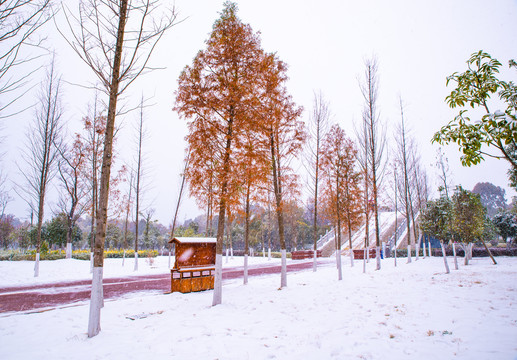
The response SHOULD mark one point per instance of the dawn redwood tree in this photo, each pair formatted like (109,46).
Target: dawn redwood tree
(341,186)
(200,177)
(40,157)
(128,205)
(362,156)
(403,156)
(115,38)
(283,134)
(254,168)
(374,142)
(317,129)
(213,95)
(71,168)
(139,173)
(178,203)
(93,138)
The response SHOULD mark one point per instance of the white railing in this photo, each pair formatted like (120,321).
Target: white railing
(329,235)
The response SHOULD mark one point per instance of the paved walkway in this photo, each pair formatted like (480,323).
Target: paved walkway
(34,298)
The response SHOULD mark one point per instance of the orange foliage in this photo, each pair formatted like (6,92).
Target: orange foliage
(341,186)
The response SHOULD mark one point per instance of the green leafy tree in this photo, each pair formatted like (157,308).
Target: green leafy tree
(436,218)
(468,218)
(505,223)
(114,236)
(56,231)
(6,228)
(497,129)
(435,221)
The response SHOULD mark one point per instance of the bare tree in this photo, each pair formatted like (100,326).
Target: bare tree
(128,206)
(115,38)
(5,198)
(19,21)
(41,151)
(406,161)
(139,173)
(374,142)
(71,169)
(362,157)
(183,177)
(317,129)
(444,173)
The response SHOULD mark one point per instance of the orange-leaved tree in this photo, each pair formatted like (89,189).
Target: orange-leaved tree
(214,94)
(254,167)
(342,195)
(283,134)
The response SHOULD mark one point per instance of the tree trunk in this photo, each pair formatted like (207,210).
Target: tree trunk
(247,233)
(279,210)
(454,254)
(102,215)
(466,251)
(69,239)
(447,271)
(489,252)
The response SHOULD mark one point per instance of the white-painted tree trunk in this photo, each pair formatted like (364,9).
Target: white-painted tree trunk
(339,267)
(91,263)
(315,261)
(378,257)
(364,260)
(409,253)
(395,253)
(471,245)
(124,258)
(96,303)
(218,280)
(454,254)
(269,253)
(384,250)
(417,251)
(231,253)
(136,262)
(351,258)
(445,259)
(283,276)
(430,252)
(245,269)
(263,252)
(423,243)
(227,255)
(36,266)
(170,258)
(68,250)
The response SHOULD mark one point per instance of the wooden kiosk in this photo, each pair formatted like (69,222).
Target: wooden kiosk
(194,264)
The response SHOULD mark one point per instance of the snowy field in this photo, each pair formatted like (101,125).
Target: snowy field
(413,311)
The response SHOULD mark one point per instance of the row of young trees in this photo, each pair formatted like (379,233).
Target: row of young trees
(245,137)
(458,219)
(115,39)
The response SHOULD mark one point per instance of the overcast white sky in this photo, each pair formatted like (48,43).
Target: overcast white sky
(324,42)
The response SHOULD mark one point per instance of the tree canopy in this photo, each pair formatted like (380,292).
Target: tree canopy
(496,128)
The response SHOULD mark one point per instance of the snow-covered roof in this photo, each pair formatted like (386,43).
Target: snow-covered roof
(184,240)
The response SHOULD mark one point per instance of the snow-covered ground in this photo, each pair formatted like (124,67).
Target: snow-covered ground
(413,311)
